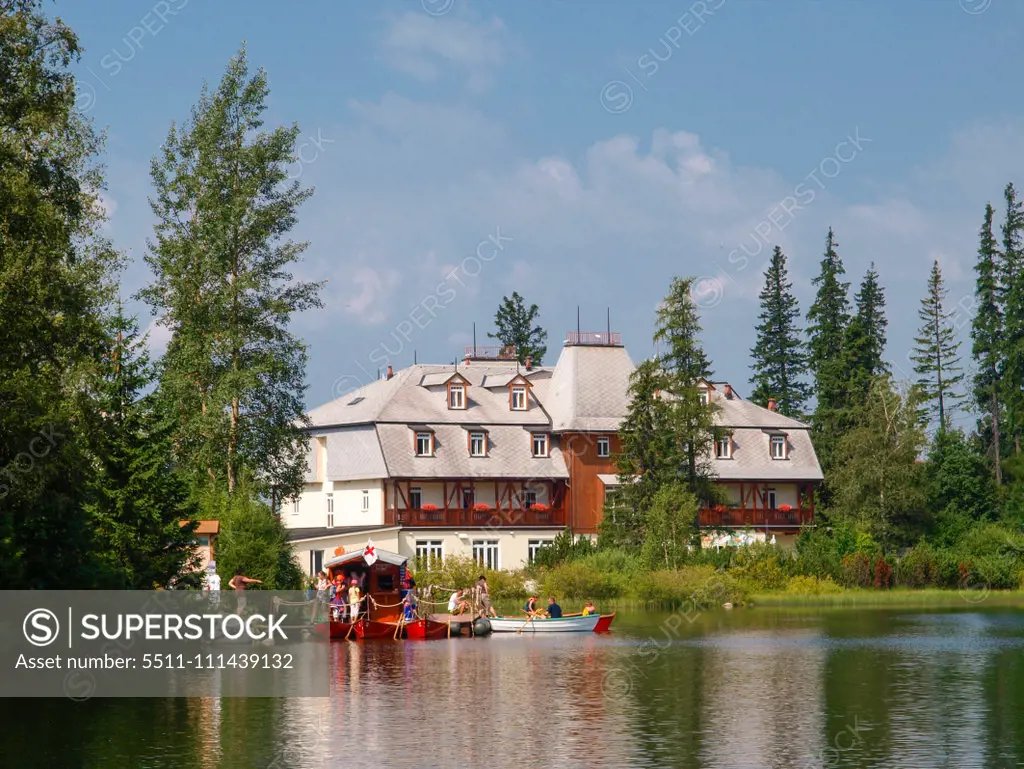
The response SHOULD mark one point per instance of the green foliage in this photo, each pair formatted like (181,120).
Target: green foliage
(690,588)
(580,580)
(461,571)
(515,324)
(1011,295)
(780,356)
(804,585)
(232,373)
(936,352)
(959,485)
(986,332)
(669,522)
(864,346)
(564,547)
(251,538)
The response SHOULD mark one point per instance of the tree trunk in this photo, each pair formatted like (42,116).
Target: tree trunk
(995,436)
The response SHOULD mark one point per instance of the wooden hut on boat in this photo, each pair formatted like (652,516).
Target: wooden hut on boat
(382,580)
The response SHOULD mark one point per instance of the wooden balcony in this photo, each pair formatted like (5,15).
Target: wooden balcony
(594,338)
(756,518)
(492,517)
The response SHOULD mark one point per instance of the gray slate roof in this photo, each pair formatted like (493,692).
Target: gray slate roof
(589,390)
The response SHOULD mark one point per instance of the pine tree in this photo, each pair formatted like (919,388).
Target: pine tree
(232,373)
(827,321)
(986,333)
(515,324)
(650,457)
(865,339)
(137,497)
(683,364)
(780,355)
(936,354)
(54,281)
(1011,280)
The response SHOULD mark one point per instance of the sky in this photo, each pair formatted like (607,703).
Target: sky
(583,154)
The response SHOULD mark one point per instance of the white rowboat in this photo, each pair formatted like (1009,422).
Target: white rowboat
(545,624)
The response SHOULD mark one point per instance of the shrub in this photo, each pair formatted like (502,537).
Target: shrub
(762,575)
(855,570)
(700,587)
(919,567)
(581,581)
(460,571)
(563,549)
(804,585)
(883,573)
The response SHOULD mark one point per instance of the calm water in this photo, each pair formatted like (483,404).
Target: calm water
(751,688)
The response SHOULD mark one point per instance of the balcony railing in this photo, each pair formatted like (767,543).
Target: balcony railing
(504,517)
(607,338)
(491,352)
(740,517)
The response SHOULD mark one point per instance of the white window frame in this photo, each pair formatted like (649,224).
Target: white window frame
(487,553)
(427,550)
(482,439)
(604,446)
(330,520)
(366,500)
(430,444)
(705,395)
(456,403)
(545,448)
(295,506)
(778,440)
(418,491)
(330,502)
(724,442)
(520,398)
(316,564)
(533,545)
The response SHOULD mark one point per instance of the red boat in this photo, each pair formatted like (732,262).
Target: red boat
(605,623)
(341,629)
(426,629)
(375,629)
(381,606)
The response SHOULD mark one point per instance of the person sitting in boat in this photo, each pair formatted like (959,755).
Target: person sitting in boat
(531,605)
(589,609)
(409,607)
(456,604)
(353,600)
(554,610)
(338,605)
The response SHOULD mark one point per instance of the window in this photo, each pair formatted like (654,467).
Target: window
(295,506)
(540,444)
(456,396)
(424,444)
(477,445)
(316,561)
(604,447)
(467,499)
(529,498)
(518,398)
(704,396)
(415,498)
(485,553)
(203,541)
(778,447)
(771,499)
(533,545)
(429,552)
(366,501)
(330,503)
(723,447)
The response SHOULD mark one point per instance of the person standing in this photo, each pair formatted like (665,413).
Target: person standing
(486,607)
(354,598)
(211,584)
(238,583)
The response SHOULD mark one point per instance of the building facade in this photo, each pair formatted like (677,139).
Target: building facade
(492,459)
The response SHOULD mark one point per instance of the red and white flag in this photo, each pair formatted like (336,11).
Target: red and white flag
(370,553)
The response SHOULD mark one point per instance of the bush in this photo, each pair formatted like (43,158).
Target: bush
(701,586)
(563,549)
(919,567)
(883,573)
(855,570)
(460,571)
(762,575)
(803,585)
(581,581)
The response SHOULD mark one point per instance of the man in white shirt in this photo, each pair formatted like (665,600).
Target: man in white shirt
(456,605)
(211,583)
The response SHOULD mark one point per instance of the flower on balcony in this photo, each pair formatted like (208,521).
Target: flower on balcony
(429,508)
(720,508)
(480,507)
(785,508)
(539,507)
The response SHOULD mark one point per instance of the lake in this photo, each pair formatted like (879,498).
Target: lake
(793,689)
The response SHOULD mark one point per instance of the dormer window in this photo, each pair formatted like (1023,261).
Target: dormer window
(705,396)
(456,396)
(723,447)
(779,447)
(541,444)
(518,398)
(478,444)
(424,443)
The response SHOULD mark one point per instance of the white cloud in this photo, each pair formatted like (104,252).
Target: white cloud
(371,302)
(424,46)
(157,338)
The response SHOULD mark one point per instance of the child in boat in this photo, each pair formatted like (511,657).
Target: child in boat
(589,609)
(338,605)
(409,607)
(531,605)
(353,599)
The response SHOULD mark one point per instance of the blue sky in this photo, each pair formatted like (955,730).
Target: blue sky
(605,146)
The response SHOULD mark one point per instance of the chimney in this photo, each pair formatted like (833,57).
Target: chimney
(771,405)
(529,363)
(467,359)
(728,392)
(391,372)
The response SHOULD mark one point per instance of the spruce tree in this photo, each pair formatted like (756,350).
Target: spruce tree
(827,321)
(780,356)
(1011,284)
(515,324)
(936,354)
(986,333)
(55,270)
(684,363)
(138,499)
(865,339)
(232,373)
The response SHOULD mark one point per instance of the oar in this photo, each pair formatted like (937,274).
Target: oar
(528,621)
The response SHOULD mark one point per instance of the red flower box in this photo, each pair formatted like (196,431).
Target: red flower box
(480,507)
(429,508)
(540,507)
(720,508)
(785,508)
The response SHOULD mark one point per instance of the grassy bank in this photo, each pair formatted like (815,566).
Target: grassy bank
(860,598)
